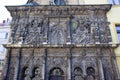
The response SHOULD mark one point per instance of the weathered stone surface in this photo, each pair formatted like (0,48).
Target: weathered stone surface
(61,43)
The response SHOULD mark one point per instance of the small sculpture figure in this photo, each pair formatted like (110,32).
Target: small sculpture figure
(27,77)
(36,74)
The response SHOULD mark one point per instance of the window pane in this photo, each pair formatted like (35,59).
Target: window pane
(114,1)
(118,28)
(119,37)
(6,35)
(118,32)
(2,35)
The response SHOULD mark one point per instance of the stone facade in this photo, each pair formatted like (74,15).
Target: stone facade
(60,43)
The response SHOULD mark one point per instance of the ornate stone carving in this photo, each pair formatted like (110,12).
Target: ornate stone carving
(82,31)
(57,62)
(35,32)
(78,74)
(57,32)
(27,76)
(37,73)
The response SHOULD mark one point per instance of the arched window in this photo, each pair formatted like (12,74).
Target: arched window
(78,74)
(56,74)
(90,73)
(59,2)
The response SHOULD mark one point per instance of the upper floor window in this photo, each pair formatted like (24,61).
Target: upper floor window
(3,35)
(114,2)
(6,35)
(118,32)
(57,2)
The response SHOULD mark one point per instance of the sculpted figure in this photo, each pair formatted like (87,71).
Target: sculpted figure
(90,73)
(78,74)
(27,77)
(37,73)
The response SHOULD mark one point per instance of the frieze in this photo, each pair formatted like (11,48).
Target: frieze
(57,10)
(76,28)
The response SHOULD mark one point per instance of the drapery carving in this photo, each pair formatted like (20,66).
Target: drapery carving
(35,32)
(81,31)
(57,31)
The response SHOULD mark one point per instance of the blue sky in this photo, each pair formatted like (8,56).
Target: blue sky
(4,14)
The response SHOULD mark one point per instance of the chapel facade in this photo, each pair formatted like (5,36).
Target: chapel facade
(60,41)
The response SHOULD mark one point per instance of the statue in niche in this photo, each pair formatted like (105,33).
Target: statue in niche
(78,74)
(36,74)
(90,73)
(56,74)
(27,77)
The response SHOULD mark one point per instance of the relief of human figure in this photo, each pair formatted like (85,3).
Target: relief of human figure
(90,73)
(36,74)
(78,74)
(57,36)
(80,36)
(27,77)
(90,77)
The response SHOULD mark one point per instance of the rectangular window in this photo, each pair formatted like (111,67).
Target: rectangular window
(6,35)
(3,35)
(114,2)
(118,32)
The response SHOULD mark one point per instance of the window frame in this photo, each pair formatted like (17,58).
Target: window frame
(117,32)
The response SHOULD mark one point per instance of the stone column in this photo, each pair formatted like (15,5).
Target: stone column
(43,70)
(115,66)
(18,66)
(45,65)
(84,68)
(70,64)
(69,68)
(101,70)
(100,66)
(8,57)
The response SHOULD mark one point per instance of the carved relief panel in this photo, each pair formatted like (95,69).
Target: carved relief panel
(55,61)
(57,32)
(81,30)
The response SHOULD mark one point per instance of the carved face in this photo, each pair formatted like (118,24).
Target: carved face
(26,71)
(37,71)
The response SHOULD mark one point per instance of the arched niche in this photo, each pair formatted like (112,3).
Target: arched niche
(78,74)
(25,74)
(56,73)
(90,73)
